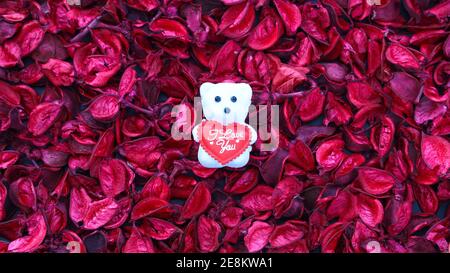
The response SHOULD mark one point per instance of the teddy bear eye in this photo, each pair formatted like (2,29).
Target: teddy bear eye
(217,99)
(233,99)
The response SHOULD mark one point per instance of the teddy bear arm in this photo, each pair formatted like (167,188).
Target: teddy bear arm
(241,160)
(206,160)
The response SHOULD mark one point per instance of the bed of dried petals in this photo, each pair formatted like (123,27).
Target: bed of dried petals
(86,154)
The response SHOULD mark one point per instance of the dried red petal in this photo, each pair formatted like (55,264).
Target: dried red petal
(287,233)
(427,198)
(8,158)
(315,20)
(156,187)
(405,86)
(301,156)
(224,60)
(140,150)
(138,243)
(105,107)
(397,214)
(237,184)
(330,237)
(99,213)
(257,236)
(344,206)
(43,117)
(197,202)
(208,232)
(3,194)
(361,94)
(23,194)
(336,111)
(159,229)
(60,73)
(266,33)
(370,210)
(127,81)
(402,57)
(358,162)
(8,94)
(79,203)
(149,206)
(383,136)
(259,199)
(436,153)
(144,5)
(329,154)
(290,14)
(37,229)
(29,37)
(115,177)
(9,54)
(312,105)
(375,181)
(288,77)
(121,214)
(237,20)
(169,29)
(231,216)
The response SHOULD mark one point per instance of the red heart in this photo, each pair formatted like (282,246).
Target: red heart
(223,143)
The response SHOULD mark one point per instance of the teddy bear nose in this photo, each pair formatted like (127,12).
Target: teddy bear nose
(226,110)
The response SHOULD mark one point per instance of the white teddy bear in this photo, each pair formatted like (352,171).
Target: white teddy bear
(225,139)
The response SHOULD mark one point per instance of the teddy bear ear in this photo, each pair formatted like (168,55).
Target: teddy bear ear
(247,90)
(205,87)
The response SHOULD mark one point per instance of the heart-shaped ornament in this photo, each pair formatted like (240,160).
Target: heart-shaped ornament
(223,143)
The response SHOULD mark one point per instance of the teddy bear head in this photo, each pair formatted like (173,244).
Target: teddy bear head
(226,102)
